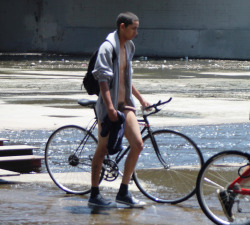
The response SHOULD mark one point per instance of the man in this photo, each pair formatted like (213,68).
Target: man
(116,89)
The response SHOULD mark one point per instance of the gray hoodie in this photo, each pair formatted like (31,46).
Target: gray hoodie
(106,70)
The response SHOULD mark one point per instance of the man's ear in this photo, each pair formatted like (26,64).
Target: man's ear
(122,26)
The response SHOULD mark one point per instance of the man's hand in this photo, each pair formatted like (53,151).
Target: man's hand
(112,114)
(145,104)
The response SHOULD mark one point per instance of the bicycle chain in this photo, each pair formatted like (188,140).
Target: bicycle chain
(111,170)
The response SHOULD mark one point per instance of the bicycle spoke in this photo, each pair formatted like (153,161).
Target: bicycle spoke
(213,183)
(169,174)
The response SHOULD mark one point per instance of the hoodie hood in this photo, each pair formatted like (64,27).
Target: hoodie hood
(113,38)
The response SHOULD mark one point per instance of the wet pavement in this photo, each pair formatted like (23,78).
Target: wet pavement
(211,104)
(39,201)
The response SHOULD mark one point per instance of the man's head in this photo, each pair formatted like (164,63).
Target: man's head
(127,23)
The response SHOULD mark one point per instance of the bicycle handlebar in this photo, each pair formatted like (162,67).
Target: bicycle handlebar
(155,106)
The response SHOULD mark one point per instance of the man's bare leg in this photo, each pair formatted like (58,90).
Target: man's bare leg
(132,133)
(100,153)
(96,200)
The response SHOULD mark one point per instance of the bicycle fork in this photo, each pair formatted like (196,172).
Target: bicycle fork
(156,148)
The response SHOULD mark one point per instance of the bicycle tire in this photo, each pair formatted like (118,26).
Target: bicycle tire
(217,174)
(174,180)
(70,169)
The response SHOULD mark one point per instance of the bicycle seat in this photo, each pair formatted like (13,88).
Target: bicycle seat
(87,102)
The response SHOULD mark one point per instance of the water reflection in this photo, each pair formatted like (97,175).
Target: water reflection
(210,138)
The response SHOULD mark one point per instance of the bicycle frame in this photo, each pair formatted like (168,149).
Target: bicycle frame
(146,128)
(149,131)
(86,137)
(239,180)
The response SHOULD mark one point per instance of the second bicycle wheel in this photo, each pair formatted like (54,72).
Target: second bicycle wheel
(68,157)
(167,172)
(215,177)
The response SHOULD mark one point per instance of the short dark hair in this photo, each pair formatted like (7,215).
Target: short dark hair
(127,18)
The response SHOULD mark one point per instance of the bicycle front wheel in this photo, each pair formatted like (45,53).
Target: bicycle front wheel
(215,176)
(68,155)
(168,167)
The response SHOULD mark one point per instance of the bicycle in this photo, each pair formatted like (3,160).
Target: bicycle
(166,171)
(225,177)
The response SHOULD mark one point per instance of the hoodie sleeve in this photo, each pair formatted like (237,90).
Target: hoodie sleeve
(103,67)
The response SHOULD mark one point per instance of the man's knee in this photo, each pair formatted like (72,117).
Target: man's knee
(138,146)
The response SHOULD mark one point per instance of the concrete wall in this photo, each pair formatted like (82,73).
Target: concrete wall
(168,28)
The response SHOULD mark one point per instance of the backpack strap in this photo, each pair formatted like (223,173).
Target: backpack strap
(114,53)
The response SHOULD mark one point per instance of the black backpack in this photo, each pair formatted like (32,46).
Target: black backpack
(89,82)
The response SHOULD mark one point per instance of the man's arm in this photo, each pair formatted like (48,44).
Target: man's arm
(137,94)
(105,92)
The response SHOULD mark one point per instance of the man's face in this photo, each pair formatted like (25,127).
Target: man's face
(131,31)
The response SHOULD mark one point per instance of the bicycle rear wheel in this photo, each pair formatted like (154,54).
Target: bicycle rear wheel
(167,173)
(68,156)
(216,175)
